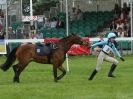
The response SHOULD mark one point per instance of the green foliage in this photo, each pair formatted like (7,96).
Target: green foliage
(43,5)
(37,81)
(39,6)
(26,7)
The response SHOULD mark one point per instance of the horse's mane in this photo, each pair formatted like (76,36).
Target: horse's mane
(65,38)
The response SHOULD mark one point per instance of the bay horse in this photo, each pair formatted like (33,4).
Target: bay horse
(25,53)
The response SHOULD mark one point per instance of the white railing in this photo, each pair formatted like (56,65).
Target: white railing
(42,40)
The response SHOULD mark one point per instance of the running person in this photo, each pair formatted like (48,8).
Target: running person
(109,47)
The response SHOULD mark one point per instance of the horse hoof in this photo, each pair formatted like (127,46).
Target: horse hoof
(55,80)
(16,81)
(58,78)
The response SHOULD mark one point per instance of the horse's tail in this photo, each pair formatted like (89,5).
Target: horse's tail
(10,60)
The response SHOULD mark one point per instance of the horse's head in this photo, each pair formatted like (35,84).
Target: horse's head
(68,41)
(74,39)
(78,40)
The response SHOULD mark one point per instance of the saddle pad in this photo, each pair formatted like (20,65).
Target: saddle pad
(42,50)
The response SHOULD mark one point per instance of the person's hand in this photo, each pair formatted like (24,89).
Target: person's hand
(91,46)
(122,58)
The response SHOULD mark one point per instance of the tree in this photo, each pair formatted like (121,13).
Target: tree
(39,6)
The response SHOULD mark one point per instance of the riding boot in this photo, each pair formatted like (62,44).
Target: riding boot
(110,74)
(93,74)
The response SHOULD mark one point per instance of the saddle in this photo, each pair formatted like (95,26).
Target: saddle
(45,49)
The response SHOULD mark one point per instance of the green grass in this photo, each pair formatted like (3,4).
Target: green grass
(37,81)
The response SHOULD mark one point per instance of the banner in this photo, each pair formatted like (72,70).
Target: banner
(2,47)
(29,18)
(79,49)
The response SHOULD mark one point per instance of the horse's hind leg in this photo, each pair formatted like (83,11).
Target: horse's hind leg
(55,73)
(63,72)
(17,70)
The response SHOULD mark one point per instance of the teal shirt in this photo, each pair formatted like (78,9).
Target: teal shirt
(115,51)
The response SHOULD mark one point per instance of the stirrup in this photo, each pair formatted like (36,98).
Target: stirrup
(55,47)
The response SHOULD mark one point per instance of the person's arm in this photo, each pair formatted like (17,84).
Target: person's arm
(117,53)
(99,43)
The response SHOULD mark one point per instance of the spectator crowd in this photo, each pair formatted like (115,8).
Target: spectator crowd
(121,23)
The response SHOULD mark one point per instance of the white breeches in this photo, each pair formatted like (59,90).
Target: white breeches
(104,57)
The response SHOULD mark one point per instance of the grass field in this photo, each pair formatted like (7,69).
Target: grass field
(37,81)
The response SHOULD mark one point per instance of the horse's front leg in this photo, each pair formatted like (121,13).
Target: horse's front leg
(55,73)
(63,72)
